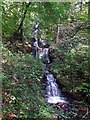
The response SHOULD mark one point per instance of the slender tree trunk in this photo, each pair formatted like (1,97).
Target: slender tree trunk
(89,16)
(18,34)
(24,15)
(57,37)
(89,36)
(81,5)
(20,28)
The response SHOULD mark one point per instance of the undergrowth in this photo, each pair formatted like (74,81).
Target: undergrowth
(71,65)
(22,89)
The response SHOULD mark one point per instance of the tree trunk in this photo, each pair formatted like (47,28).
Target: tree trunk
(20,28)
(57,37)
(89,16)
(24,15)
(81,5)
(89,37)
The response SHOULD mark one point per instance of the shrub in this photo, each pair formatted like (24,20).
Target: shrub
(71,63)
(22,90)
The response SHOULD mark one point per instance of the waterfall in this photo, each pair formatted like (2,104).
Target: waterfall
(53,93)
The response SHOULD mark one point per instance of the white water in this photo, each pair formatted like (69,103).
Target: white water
(53,94)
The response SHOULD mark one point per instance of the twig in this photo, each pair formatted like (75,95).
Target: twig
(85,114)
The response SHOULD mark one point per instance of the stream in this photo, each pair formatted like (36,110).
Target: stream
(53,94)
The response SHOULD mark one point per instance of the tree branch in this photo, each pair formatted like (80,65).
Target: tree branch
(79,28)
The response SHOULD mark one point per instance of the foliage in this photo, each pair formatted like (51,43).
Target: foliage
(71,62)
(13,11)
(84,89)
(11,17)
(49,14)
(22,93)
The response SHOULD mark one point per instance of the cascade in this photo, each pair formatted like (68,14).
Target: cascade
(53,93)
